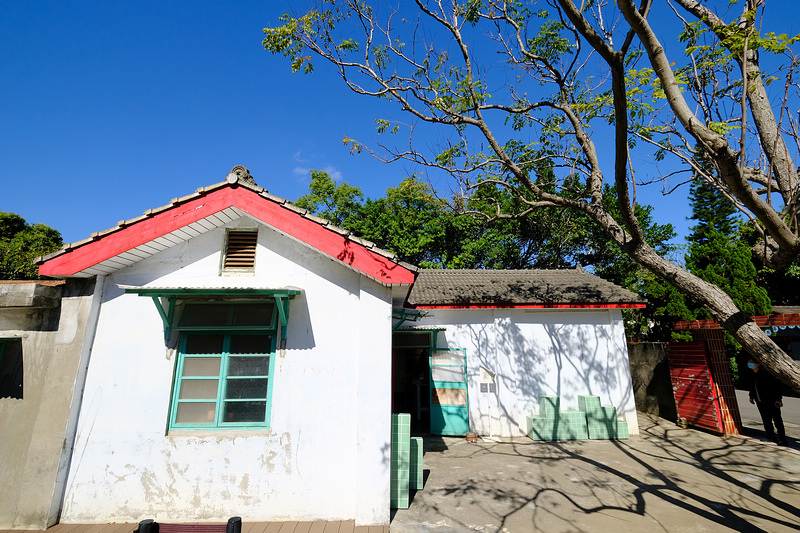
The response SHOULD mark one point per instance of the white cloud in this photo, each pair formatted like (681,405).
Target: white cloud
(304,173)
(333,173)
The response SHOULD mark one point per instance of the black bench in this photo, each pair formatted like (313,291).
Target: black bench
(234,525)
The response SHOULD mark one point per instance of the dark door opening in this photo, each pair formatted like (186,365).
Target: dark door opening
(411,378)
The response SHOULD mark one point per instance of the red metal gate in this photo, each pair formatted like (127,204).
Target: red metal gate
(696,398)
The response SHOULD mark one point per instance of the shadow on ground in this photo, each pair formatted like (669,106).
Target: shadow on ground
(665,479)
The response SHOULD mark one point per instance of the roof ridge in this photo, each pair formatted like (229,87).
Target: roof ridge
(233,180)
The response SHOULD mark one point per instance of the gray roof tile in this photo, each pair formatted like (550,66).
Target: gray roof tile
(515,287)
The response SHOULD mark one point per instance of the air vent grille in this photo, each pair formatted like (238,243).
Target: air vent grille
(240,252)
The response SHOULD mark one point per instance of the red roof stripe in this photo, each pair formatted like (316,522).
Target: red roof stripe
(763,321)
(144,231)
(536,306)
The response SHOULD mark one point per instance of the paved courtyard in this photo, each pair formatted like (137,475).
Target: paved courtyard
(666,479)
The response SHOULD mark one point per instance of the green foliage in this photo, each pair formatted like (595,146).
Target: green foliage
(728,264)
(718,255)
(712,211)
(612,263)
(782,285)
(287,39)
(423,229)
(523,131)
(21,243)
(327,199)
(549,42)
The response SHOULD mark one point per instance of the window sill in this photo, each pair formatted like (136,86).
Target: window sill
(219,433)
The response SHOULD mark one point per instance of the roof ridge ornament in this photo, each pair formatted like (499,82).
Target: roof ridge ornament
(240,174)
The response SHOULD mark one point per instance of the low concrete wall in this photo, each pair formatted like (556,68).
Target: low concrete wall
(652,387)
(51,326)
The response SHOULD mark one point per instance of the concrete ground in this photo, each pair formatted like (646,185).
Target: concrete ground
(752,420)
(665,479)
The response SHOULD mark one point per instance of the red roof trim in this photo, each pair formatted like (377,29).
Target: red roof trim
(535,306)
(329,242)
(763,321)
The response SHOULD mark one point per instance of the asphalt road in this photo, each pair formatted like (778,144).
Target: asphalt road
(751,419)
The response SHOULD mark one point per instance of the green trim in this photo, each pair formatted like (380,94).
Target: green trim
(223,378)
(447,411)
(142,291)
(402,316)
(282,303)
(166,316)
(281,296)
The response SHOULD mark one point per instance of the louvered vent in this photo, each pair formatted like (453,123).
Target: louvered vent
(240,253)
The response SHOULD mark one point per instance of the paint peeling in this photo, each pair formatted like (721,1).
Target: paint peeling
(208,476)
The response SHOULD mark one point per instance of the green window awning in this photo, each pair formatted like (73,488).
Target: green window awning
(281,297)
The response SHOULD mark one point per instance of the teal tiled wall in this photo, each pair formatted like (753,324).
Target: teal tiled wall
(400,461)
(415,470)
(590,421)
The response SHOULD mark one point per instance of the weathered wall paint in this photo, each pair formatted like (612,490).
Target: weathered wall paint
(33,428)
(564,353)
(325,455)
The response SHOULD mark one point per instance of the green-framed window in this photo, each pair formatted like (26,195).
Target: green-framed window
(225,364)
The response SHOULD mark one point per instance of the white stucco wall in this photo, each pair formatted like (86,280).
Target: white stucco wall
(564,353)
(325,455)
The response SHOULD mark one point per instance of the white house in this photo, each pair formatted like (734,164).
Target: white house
(246,356)
(520,334)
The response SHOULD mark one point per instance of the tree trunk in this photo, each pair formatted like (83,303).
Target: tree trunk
(757,343)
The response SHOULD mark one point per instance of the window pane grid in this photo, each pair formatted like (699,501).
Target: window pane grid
(241,381)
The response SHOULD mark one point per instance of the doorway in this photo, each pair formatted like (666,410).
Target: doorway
(411,372)
(429,383)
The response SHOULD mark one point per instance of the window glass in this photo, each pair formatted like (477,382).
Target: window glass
(241,363)
(248,366)
(11,368)
(447,357)
(226,315)
(250,343)
(211,344)
(245,411)
(204,315)
(448,373)
(246,388)
(199,389)
(201,366)
(252,315)
(196,413)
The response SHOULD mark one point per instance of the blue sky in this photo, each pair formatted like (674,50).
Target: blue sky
(112,108)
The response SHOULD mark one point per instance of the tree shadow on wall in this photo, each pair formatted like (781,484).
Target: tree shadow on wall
(572,360)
